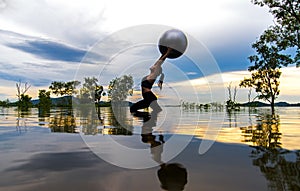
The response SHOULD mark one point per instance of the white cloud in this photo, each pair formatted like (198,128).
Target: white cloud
(82,23)
(216,23)
(74,22)
(206,86)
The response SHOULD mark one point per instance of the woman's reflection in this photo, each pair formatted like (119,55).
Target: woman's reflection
(156,144)
(172,176)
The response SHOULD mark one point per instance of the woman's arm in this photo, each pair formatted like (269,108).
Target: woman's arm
(163,57)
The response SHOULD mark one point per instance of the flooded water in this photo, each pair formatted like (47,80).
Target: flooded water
(79,149)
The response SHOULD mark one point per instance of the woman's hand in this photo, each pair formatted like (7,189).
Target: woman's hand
(160,84)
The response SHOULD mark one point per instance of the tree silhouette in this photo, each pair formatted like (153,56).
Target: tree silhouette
(285,31)
(265,71)
(64,88)
(120,88)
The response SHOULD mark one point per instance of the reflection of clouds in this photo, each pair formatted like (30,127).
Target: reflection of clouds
(49,162)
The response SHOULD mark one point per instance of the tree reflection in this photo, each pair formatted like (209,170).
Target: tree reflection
(265,133)
(21,120)
(280,167)
(90,120)
(63,121)
(105,120)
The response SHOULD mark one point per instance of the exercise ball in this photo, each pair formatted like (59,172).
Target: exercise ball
(174,39)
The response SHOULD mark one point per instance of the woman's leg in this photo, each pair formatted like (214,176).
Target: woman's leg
(139,105)
(149,97)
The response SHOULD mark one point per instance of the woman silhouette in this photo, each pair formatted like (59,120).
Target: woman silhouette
(147,83)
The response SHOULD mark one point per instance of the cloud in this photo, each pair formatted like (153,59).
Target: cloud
(2,4)
(35,60)
(77,23)
(207,89)
(51,50)
(42,41)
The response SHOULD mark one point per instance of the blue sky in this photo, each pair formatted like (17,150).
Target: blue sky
(43,41)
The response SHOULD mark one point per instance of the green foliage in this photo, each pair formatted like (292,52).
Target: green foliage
(64,88)
(87,92)
(45,103)
(70,87)
(285,32)
(269,55)
(25,102)
(269,58)
(5,103)
(265,82)
(120,88)
(45,100)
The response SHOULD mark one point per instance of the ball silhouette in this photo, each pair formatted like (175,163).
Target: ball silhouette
(174,39)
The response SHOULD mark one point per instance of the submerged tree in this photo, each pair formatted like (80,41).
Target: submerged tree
(45,102)
(266,69)
(266,84)
(91,90)
(24,101)
(231,102)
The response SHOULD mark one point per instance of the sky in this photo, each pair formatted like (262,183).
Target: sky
(59,40)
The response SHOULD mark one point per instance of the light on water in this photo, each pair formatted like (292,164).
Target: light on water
(48,147)
(235,127)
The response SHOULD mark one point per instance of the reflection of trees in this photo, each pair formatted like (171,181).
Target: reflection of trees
(105,120)
(90,120)
(64,121)
(120,120)
(21,120)
(265,133)
(279,166)
(232,118)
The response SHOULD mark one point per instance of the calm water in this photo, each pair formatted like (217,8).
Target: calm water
(61,150)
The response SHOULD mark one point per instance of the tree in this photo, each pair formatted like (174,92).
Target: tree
(5,103)
(120,88)
(231,102)
(88,89)
(25,102)
(286,28)
(266,69)
(70,87)
(266,84)
(21,90)
(64,88)
(57,88)
(44,97)
(45,101)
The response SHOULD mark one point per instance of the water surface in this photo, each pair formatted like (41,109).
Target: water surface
(253,151)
